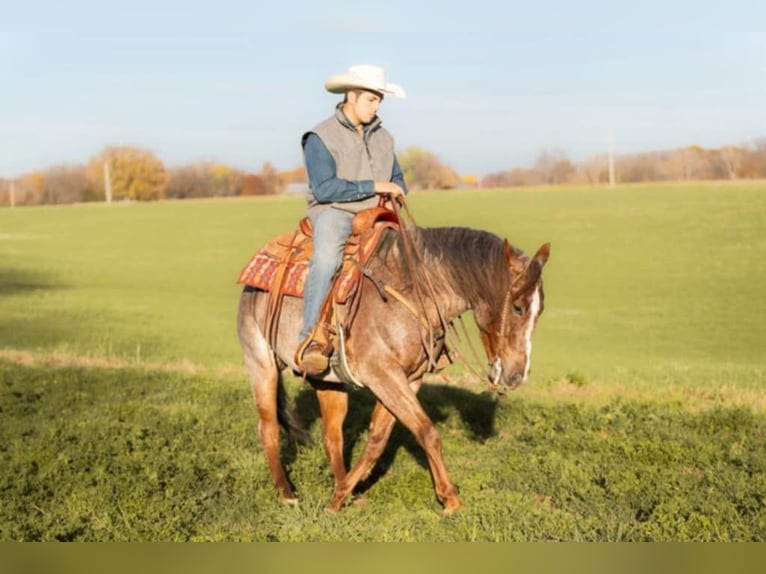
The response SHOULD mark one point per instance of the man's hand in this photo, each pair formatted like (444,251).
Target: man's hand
(388,188)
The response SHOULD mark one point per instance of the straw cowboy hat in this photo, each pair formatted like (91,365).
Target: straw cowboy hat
(365,77)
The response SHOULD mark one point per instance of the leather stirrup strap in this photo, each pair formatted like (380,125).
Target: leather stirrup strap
(276,295)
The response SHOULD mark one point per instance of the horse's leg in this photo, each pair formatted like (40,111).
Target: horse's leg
(333,405)
(264,382)
(391,388)
(381,424)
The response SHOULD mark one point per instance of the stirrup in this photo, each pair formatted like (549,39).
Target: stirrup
(316,361)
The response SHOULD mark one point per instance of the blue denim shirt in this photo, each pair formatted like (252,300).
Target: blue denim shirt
(327,187)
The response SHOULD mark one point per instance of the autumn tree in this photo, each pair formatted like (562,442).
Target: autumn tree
(754,162)
(470,180)
(273,181)
(225,181)
(423,170)
(30,192)
(135,173)
(297,175)
(252,184)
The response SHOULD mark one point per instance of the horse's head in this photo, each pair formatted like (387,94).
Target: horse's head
(507,332)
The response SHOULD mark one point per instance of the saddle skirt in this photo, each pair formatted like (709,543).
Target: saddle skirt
(281,266)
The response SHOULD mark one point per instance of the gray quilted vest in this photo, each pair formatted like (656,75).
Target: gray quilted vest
(356,158)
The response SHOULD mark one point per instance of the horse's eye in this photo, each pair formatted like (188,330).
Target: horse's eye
(517,310)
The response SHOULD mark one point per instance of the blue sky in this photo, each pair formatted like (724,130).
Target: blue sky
(489,84)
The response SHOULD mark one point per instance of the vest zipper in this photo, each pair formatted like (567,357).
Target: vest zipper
(369,155)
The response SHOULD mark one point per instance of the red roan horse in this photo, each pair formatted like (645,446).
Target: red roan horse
(384,348)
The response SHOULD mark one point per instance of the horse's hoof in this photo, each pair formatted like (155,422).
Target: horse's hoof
(335,506)
(451,506)
(290,501)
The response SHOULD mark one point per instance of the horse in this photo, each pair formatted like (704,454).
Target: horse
(386,350)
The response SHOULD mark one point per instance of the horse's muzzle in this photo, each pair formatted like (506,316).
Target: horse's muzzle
(497,376)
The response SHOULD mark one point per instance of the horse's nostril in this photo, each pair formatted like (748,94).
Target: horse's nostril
(515,380)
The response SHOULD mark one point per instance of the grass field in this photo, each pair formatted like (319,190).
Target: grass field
(126,414)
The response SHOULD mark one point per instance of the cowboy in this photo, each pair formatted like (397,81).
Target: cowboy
(350,161)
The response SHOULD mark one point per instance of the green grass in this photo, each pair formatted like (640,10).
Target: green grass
(125,414)
(637,277)
(132,455)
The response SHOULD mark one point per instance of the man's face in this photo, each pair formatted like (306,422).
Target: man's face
(363,105)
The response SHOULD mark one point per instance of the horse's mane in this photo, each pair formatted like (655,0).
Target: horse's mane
(470,262)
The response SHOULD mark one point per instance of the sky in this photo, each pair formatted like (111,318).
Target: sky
(490,84)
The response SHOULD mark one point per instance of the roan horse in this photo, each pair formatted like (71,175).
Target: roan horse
(385,345)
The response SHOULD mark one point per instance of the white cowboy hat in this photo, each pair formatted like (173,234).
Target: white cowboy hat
(365,77)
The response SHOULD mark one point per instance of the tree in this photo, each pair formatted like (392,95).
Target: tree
(731,158)
(423,170)
(273,182)
(515,177)
(297,175)
(694,162)
(224,181)
(64,184)
(203,180)
(30,192)
(135,173)
(595,170)
(554,166)
(470,180)
(252,184)
(188,181)
(754,163)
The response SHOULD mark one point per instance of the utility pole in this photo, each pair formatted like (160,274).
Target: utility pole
(107,182)
(13,193)
(611,157)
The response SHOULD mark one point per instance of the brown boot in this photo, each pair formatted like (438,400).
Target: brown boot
(312,360)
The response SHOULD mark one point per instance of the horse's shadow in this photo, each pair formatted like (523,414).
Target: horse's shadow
(476,412)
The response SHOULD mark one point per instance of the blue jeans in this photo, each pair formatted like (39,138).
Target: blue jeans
(331,229)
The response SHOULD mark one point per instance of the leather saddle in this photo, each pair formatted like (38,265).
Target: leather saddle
(281,266)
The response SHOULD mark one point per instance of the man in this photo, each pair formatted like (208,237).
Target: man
(350,161)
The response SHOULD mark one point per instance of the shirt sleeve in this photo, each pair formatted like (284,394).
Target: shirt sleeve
(325,184)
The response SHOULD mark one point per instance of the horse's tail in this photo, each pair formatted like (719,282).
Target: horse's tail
(287,417)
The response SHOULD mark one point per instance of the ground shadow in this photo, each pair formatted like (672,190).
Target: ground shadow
(14,281)
(476,411)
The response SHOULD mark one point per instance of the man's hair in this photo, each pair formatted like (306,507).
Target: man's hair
(358,91)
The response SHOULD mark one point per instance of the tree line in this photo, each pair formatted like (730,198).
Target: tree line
(132,173)
(690,163)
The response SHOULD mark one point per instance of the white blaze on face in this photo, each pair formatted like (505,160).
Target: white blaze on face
(534,310)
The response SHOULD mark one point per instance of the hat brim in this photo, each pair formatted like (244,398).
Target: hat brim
(341,83)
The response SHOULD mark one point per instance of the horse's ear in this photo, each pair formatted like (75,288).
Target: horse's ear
(510,254)
(542,254)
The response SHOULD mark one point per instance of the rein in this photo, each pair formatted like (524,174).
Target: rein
(417,269)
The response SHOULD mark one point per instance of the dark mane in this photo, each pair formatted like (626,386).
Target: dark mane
(470,262)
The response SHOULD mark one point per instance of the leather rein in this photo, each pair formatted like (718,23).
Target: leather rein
(424,291)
